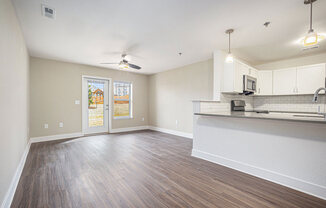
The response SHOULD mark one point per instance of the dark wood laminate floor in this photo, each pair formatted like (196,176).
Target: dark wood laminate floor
(140,169)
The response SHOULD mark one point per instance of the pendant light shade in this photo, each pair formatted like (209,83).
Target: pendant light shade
(229,57)
(312,37)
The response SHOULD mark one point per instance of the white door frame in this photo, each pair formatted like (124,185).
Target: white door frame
(84,105)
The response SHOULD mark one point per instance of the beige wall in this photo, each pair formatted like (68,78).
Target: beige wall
(14,95)
(307,60)
(171,93)
(56,85)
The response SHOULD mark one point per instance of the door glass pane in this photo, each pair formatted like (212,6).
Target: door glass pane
(95,103)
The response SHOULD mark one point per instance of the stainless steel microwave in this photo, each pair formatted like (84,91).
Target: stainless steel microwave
(249,84)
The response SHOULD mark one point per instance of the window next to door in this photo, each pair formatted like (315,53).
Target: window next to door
(122,99)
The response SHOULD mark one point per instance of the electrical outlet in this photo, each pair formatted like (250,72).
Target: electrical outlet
(142,119)
(77,102)
(176,123)
(46,126)
(61,125)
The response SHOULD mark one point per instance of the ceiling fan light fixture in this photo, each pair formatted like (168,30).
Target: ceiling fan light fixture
(123,65)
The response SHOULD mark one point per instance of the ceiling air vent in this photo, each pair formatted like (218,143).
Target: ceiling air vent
(48,11)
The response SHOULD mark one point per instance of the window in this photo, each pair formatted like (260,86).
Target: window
(122,99)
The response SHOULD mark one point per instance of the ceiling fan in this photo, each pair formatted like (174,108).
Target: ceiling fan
(124,63)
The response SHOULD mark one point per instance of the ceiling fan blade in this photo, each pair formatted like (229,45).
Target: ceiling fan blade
(134,66)
(109,63)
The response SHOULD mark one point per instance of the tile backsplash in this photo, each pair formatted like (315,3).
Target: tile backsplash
(224,105)
(300,103)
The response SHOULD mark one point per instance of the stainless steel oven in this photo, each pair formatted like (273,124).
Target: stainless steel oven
(249,84)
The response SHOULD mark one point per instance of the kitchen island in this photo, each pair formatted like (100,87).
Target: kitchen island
(279,147)
(273,115)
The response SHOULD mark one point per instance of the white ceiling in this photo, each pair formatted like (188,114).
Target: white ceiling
(155,31)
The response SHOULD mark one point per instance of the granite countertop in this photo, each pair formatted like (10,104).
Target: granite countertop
(289,116)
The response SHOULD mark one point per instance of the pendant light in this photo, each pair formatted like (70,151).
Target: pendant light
(311,38)
(229,57)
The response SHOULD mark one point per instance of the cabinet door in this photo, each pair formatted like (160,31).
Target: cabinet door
(240,70)
(253,72)
(310,78)
(284,81)
(265,83)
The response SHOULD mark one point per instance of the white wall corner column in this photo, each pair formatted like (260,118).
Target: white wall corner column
(219,59)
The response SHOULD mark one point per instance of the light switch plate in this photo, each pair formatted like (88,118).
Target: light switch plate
(61,124)
(77,102)
(46,126)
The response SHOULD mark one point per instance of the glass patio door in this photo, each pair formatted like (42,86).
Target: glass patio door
(96,105)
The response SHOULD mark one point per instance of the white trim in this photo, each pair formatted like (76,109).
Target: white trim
(174,132)
(136,128)
(14,182)
(110,90)
(291,182)
(122,117)
(55,137)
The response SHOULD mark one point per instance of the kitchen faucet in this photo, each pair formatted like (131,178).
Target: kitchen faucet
(315,99)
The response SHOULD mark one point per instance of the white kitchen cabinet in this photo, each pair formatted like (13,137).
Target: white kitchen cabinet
(253,72)
(233,76)
(310,78)
(285,81)
(264,82)
(241,69)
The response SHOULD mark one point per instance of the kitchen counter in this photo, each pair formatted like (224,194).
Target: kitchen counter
(288,148)
(288,116)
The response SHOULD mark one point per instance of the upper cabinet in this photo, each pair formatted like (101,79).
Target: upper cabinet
(291,81)
(253,72)
(299,80)
(284,81)
(233,76)
(264,82)
(310,78)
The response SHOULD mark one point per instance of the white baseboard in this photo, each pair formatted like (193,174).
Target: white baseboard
(14,182)
(291,182)
(136,128)
(56,137)
(169,131)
